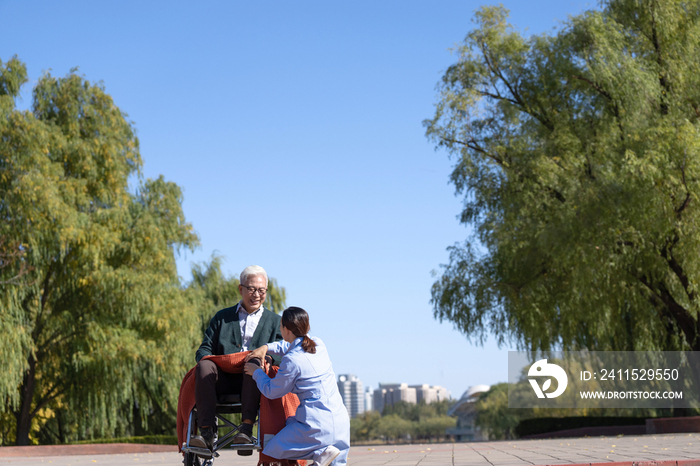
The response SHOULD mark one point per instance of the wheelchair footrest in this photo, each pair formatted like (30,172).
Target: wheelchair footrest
(245,446)
(201,452)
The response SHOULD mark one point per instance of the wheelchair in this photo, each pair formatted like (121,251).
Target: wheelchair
(225,404)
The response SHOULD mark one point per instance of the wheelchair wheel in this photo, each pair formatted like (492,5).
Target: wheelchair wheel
(192,460)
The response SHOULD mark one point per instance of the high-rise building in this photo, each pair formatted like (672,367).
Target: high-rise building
(389,393)
(350,388)
(369,395)
(430,393)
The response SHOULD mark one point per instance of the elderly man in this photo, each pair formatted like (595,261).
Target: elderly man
(245,326)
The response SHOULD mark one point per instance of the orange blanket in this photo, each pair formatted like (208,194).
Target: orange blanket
(273,413)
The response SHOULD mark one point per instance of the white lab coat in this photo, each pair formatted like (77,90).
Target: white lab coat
(321,418)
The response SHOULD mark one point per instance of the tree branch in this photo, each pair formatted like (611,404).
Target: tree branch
(39,327)
(10,254)
(472,144)
(663,82)
(667,254)
(52,341)
(686,202)
(47,399)
(595,86)
(695,109)
(677,312)
(604,93)
(497,97)
(518,99)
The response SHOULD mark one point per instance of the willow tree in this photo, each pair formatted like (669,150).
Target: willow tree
(92,308)
(578,156)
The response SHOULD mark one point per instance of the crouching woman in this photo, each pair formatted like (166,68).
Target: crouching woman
(320,429)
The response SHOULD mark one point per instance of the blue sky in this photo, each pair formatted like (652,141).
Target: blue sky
(294,130)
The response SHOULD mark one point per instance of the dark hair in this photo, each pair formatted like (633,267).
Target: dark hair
(296,320)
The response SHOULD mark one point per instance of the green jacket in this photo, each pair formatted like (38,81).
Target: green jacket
(224,333)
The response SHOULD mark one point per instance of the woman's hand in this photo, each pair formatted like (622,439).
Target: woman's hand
(257,353)
(249,368)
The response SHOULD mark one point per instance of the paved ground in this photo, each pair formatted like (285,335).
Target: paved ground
(643,450)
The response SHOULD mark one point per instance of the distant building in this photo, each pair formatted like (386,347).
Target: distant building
(350,388)
(369,406)
(430,393)
(389,393)
(464,410)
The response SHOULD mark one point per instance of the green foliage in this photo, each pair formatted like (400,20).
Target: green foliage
(92,297)
(97,329)
(579,160)
(393,427)
(418,411)
(493,415)
(364,426)
(403,421)
(433,427)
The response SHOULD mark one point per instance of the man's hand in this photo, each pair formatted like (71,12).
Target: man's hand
(257,353)
(249,368)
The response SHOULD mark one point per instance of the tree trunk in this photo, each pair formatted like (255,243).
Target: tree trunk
(61,429)
(24,415)
(694,366)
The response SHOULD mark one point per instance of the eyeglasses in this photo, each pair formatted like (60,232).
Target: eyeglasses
(253,290)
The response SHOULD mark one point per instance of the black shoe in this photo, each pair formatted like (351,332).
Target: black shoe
(242,438)
(204,440)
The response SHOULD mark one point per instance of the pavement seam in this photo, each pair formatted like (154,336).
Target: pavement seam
(530,451)
(521,459)
(400,455)
(392,459)
(483,456)
(419,461)
(554,457)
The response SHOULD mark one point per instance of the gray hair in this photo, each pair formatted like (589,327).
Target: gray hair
(253,271)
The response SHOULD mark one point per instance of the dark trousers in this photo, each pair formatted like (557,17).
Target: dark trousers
(210,381)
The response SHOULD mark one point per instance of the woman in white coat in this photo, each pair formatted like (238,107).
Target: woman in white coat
(320,429)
